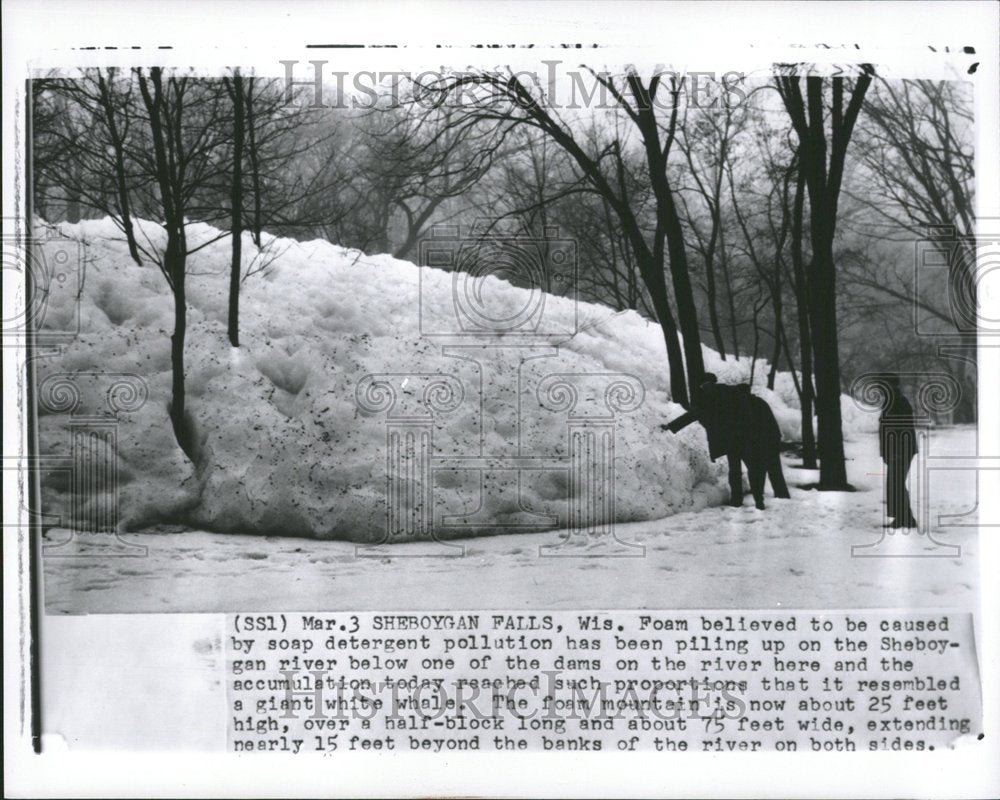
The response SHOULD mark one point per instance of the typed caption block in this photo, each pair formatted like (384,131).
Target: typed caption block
(626,681)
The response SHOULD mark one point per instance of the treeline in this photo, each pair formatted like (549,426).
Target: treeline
(781,227)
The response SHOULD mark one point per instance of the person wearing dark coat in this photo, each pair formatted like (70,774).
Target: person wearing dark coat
(897,446)
(742,427)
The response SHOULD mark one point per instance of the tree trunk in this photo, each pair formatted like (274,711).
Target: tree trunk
(678,381)
(824,181)
(731,300)
(713,313)
(174,264)
(650,260)
(777,309)
(72,207)
(669,228)
(806,393)
(236,207)
(175,260)
(964,310)
(823,319)
(415,226)
(778,314)
(756,342)
(687,313)
(710,287)
(254,165)
(655,282)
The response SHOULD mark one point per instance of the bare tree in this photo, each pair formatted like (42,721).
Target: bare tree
(48,113)
(823,178)
(235,90)
(918,147)
(538,185)
(705,139)
(266,185)
(433,161)
(918,151)
(183,117)
(86,141)
(508,101)
(252,114)
(176,149)
(281,142)
(799,272)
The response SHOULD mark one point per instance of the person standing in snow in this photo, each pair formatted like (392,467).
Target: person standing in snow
(713,405)
(897,446)
(741,426)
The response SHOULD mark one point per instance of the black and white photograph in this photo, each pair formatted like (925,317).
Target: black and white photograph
(316,326)
(623,391)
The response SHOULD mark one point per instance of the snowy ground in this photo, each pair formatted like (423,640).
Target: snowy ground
(795,554)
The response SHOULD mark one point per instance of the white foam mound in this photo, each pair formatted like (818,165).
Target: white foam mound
(286,447)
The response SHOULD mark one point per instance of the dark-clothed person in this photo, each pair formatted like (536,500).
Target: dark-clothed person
(742,427)
(897,446)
